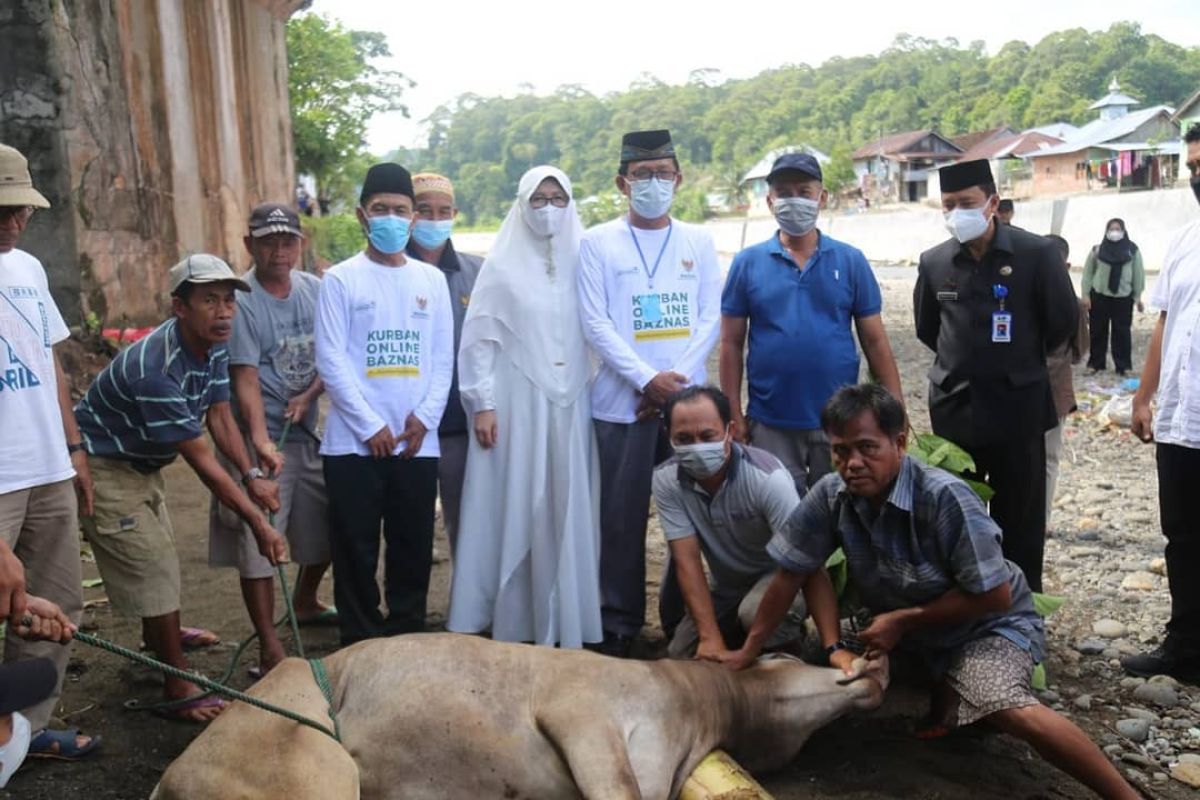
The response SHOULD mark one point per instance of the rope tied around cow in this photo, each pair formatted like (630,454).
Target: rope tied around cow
(218,686)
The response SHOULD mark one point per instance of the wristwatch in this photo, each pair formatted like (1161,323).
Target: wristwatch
(72,449)
(252,474)
(840,644)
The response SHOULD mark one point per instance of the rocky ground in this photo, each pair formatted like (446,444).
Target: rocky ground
(1104,559)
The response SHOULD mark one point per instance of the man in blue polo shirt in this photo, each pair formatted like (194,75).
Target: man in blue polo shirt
(797,294)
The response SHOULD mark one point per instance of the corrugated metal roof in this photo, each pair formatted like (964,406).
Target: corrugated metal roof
(763,167)
(1099,131)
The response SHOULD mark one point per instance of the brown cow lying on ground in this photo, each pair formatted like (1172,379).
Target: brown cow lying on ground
(450,716)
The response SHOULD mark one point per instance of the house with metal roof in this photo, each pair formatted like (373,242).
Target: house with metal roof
(1186,115)
(1008,157)
(1121,148)
(754,183)
(899,168)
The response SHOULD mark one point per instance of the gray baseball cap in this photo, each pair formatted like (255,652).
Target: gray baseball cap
(204,268)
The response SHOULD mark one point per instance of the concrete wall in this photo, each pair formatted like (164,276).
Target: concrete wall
(152,126)
(899,236)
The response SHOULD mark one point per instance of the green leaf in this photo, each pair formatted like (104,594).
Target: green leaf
(1038,681)
(839,571)
(984,491)
(1047,604)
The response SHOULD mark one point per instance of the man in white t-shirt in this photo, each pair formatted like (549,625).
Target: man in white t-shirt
(1173,370)
(41,451)
(649,297)
(385,350)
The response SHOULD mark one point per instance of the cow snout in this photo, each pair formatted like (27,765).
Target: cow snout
(872,677)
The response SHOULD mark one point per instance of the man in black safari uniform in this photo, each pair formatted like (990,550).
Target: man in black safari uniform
(991,301)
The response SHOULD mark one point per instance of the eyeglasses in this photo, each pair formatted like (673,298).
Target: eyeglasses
(665,175)
(541,201)
(15,212)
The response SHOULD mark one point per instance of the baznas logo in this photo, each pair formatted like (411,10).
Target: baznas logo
(422,302)
(688,263)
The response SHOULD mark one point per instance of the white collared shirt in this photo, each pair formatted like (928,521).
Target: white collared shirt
(1178,294)
(638,326)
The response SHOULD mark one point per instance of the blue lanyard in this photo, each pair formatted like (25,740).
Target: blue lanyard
(650,273)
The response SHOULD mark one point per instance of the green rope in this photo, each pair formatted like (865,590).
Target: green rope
(279,568)
(166,705)
(213,687)
(322,678)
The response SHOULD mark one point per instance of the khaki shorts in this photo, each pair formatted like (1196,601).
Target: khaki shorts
(132,539)
(303,517)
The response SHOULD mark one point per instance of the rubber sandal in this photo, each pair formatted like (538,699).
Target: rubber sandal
(198,638)
(326,617)
(43,745)
(255,672)
(932,732)
(178,712)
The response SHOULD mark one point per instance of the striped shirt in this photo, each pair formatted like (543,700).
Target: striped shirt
(932,535)
(151,397)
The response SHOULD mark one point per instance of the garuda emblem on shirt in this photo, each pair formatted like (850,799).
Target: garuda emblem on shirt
(422,302)
(687,263)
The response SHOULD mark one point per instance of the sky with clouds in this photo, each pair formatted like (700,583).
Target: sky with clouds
(502,48)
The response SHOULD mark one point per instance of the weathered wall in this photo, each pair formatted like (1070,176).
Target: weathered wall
(152,126)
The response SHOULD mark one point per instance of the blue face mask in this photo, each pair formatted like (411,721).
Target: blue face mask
(388,234)
(432,233)
(651,198)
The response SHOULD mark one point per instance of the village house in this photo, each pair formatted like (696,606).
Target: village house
(1008,157)
(1186,116)
(1120,149)
(754,182)
(899,168)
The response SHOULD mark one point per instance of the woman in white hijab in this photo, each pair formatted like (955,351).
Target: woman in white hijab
(527,560)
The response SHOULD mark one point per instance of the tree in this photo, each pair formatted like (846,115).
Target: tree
(335,89)
(723,127)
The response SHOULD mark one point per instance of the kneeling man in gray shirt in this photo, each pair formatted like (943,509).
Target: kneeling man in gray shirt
(724,500)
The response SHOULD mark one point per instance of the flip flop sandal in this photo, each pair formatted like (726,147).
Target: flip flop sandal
(179,711)
(192,639)
(43,745)
(326,617)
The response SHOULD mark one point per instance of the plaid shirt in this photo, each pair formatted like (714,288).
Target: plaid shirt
(932,535)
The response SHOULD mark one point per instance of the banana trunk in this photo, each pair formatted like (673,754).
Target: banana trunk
(719,777)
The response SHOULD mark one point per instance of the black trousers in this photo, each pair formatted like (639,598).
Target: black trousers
(628,454)
(1017,472)
(363,493)
(1178,478)
(1115,313)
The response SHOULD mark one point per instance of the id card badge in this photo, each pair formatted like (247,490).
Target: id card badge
(1001,327)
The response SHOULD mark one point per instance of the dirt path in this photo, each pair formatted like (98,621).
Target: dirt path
(868,757)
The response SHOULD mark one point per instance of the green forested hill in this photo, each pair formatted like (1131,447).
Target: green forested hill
(722,128)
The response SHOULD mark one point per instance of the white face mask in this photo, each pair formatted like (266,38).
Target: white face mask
(1115,236)
(966,224)
(546,221)
(651,198)
(12,755)
(701,460)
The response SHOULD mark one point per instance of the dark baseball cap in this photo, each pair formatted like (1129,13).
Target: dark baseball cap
(795,162)
(25,683)
(271,218)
